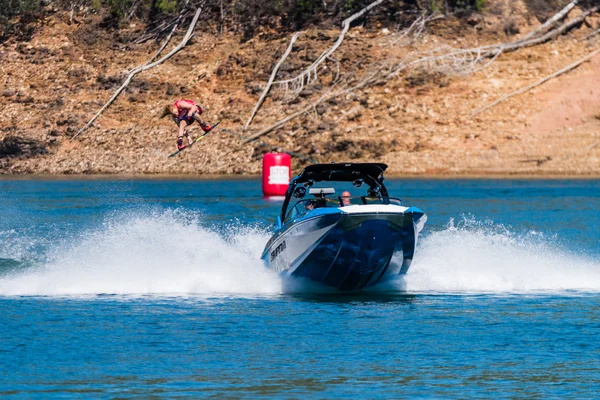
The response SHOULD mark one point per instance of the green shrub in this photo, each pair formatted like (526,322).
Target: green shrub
(350,5)
(119,8)
(457,5)
(15,16)
(436,5)
(166,6)
(10,8)
(97,5)
(247,17)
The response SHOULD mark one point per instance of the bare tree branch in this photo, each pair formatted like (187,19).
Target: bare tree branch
(414,31)
(286,119)
(446,60)
(552,34)
(145,67)
(557,17)
(71,13)
(590,35)
(329,95)
(170,33)
(309,75)
(271,79)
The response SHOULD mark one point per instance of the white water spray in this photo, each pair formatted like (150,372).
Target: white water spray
(483,257)
(159,253)
(168,252)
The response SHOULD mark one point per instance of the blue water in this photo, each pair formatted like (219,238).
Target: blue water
(138,289)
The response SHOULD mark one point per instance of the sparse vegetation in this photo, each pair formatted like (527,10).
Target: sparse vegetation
(245,16)
(15,16)
(365,79)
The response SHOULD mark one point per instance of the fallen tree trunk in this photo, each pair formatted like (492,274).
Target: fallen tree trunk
(326,97)
(142,68)
(418,26)
(538,83)
(461,59)
(284,121)
(465,60)
(271,79)
(552,34)
(557,17)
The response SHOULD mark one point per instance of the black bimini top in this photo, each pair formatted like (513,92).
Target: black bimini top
(344,172)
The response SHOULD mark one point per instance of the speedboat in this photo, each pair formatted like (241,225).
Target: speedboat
(327,235)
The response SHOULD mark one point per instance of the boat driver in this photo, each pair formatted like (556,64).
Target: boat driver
(320,200)
(345,198)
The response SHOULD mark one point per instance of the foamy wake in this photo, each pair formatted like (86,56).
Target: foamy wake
(169,252)
(159,253)
(482,257)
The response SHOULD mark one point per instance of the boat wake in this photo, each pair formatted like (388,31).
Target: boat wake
(480,257)
(171,252)
(162,252)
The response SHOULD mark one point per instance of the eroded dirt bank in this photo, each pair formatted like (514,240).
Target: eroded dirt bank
(418,124)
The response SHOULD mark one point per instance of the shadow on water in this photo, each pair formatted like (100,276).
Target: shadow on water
(355,298)
(393,291)
(9,266)
(378,294)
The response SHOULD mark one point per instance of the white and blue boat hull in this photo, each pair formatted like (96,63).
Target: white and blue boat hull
(348,248)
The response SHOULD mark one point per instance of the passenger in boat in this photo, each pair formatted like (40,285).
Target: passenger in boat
(310,205)
(320,200)
(184,113)
(345,198)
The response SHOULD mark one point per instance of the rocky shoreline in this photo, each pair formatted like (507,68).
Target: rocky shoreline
(420,125)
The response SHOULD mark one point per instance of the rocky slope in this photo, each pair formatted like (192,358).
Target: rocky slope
(418,124)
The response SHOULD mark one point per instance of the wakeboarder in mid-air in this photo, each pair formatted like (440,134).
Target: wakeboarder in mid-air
(184,113)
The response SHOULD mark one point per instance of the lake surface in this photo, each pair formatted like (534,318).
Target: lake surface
(154,288)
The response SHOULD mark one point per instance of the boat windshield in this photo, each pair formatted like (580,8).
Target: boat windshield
(306,205)
(337,185)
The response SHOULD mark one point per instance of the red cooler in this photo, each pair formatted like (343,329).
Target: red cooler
(276,173)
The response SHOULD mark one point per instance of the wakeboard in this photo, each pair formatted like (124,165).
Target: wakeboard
(195,140)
